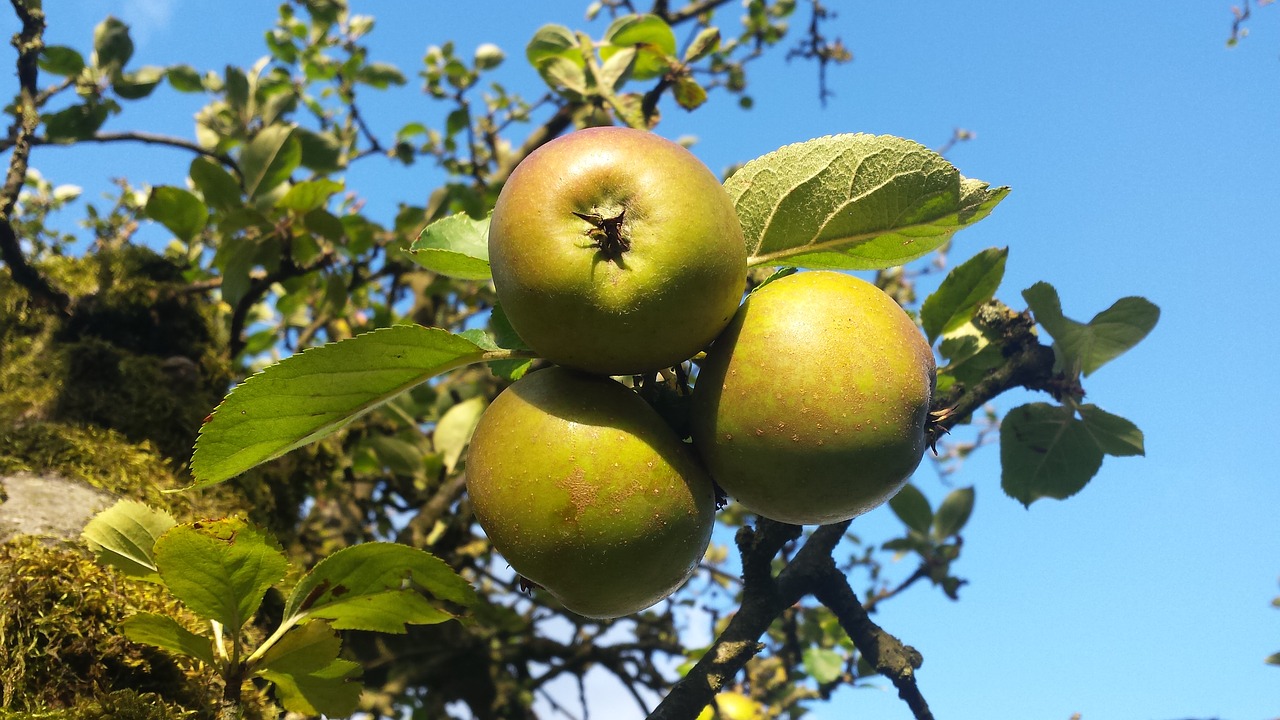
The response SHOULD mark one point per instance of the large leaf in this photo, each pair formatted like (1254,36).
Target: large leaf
(1047,451)
(112,46)
(457,246)
(269,159)
(220,188)
(178,210)
(1081,347)
(317,392)
(912,508)
(823,665)
(453,431)
(377,586)
(965,288)
(652,38)
(61,60)
(309,676)
(857,202)
(124,536)
(220,568)
(164,632)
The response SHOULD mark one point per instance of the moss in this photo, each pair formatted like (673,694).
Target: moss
(62,649)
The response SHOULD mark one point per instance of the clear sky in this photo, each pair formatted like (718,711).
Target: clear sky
(1143,156)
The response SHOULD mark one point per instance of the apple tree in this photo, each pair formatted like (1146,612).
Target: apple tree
(280,401)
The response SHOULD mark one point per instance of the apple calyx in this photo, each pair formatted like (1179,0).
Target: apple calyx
(606,234)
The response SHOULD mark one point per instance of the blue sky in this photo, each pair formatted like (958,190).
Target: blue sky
(1143,156)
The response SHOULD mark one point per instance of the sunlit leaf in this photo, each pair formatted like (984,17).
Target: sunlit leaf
(269,159)
(652,38)
(309,676)
(456,246)
(112,47)
(1085,347)
(967,286)
(377,586)
(220,568)
(61,60)
(178,210)
(855,202)
(454,429)
(823,665)
(124,535)
(317,392)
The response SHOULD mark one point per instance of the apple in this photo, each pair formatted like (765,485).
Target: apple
(616,251)
(812,407)
(586,492)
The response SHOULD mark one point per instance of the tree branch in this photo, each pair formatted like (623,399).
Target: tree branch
(135,136)
(891,658)
(29,42)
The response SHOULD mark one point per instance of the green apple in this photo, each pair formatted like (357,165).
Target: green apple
(812,407)
(585,491)
(616,251)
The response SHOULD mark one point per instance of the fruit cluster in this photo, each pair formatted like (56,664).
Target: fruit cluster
(617,252)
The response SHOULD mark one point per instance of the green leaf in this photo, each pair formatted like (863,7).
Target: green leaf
(689,94)
(76,122)
(615,71)
(269,159)
(317,392)
(163,631)
(178,210)
(1113,434)
(137,85)
(124,535)
(506,337)
(377,586)
(321,152)
(953,513)
(220,189)
(456,246)
(1087,347)
(61,60)
(488,56)
(704,43)
(220,568)
(455,427)
(304,197)
(853,202)
(329,692)
(912,508)
(112,47)
(184,78)
(553,41)
(652,38)
(325,224)
(1045,452)
(823,665)
(964,289)
(1273,659)
(303,650)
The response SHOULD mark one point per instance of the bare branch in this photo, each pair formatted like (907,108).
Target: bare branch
(136,136)
(29,42)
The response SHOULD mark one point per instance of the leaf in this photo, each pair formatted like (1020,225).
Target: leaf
(704,43)
(163,631)
(219,187)
(553,41)
(456,246)
(454,429)
(853,202)
(965,288)
(317,392)
(304,197)
(303,650)
(377,586)
(112,47)
(137,85)
(325,224)
(616,71)
(1045,452)
(823,664)
(76,122)
(488,56)
(953,513)
(124,535)
(329,692)
(320,151)
(178,210)
(689,94)
(381,75)
(61,60)
(269,159)
(184,78)
(1087,347)
(652,38)
(912,508)
(1113,434)
(220,568)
